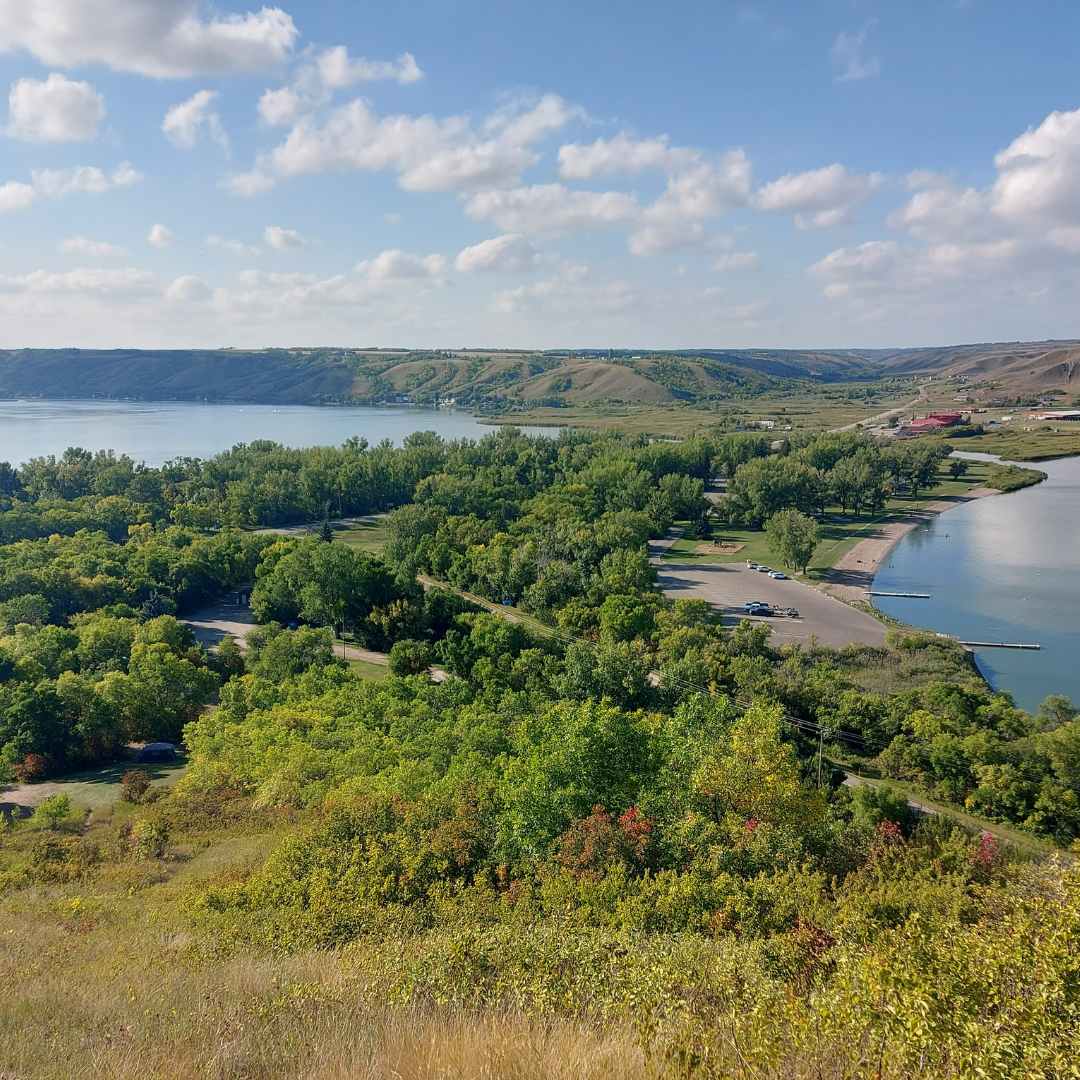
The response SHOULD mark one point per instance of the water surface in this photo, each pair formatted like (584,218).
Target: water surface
(155,432)
(1003,568)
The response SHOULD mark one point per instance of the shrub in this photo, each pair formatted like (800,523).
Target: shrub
(134,785)
(410,657)
(31,769)
(148,839)
(53,812)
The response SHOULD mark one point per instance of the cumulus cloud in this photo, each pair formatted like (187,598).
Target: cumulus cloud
(185,122)
(248,184)
(820,198)
(159,38)
(508,254)
(1039,173)
(92,281)
(568,297)
(850,58)
(233,247)
(551,208)
(621,155)
(281,239)
(281,107)
(395,265)
(96,249)
(16,196)
(86,179)
(188,289)
(55,109)
(338,70)
(159,236)
(426,152)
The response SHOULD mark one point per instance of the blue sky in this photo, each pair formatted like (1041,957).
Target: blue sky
(830,173)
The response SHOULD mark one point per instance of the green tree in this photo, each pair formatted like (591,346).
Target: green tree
(793,537)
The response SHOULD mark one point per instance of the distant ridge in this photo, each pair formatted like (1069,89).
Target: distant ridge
(519,378)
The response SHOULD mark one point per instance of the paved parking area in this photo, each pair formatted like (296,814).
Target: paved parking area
(728,586)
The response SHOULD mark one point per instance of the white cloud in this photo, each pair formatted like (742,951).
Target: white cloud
(552,208)
(159,38)
(941,209)
(54,110)
(508,254)
(16,196)
(1039,174)
(621,154)
(185,122)
(568,298)
(849,56)
(97,249)
(233,247)
(159,236)
(282,239)
(188,290)
(338,70)
(248,184)
(395,265)
(94,281)
(427,153)
(820,198)
(676,220)
(281,107)
(55,183)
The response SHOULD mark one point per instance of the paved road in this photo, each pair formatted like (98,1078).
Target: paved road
(730,585)
(870,421)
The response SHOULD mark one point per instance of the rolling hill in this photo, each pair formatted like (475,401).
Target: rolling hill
(494,379)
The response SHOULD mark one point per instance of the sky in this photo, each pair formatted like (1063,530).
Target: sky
(496,173)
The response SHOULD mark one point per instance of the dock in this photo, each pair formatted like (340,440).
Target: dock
(907,595)
(1001,645)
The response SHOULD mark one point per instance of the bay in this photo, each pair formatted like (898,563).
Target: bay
(1002,568)
(155,432)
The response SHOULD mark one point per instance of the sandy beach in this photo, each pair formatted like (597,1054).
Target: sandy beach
(852,577)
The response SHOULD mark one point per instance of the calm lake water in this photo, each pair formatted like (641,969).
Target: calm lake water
(1004,568)
(155,432)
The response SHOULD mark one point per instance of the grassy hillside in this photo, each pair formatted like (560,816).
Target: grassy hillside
(515,380)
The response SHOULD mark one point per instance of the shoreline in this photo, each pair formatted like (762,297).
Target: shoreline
(852,577)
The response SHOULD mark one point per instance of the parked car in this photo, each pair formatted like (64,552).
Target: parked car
(749,606)
(761,609)
(779,575)
(761,568)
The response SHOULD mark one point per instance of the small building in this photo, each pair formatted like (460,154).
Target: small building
(1060,414)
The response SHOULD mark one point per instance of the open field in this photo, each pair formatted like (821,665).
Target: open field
(809,410)
(1042,444)
(364,534)
(91,788)
(839,532)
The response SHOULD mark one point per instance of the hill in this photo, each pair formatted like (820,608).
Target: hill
(495,380)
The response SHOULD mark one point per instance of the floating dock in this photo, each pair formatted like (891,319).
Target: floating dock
(908,595)
(1000,645)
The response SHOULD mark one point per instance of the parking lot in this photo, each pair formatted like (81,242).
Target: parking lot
(728,586)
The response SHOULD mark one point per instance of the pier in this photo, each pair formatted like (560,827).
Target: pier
(907,595)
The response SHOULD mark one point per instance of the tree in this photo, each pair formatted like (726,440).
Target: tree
(326,532)
(410,657)
(793,536)
(957,467)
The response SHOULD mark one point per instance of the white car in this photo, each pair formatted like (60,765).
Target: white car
(778,575)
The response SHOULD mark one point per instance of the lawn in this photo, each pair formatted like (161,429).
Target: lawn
(364,534)
(839,532)
(91,789)
(1043,444)
(369,671)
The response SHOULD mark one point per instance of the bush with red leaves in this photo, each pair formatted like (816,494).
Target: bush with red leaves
(31,769)
(594,844)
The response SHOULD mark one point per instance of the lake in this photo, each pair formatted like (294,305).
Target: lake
(1003,568)
(155,432)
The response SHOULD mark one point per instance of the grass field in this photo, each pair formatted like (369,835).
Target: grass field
(839,533)
(369,671)
(812,410)
(91,789)
(364,535)
(1043,444)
